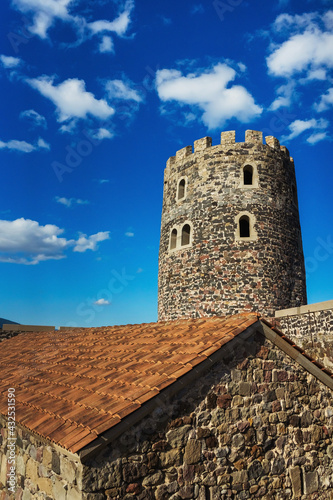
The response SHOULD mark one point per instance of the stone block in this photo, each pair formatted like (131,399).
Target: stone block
(253,136)
(202,144)
(192,452)
(170,458)
(177,437)
(183,153)
(45,485)
(73,494)
(273,142)
(32,470)
(58,490)
(67,470)
(228,137)
(310,482)
(153,480)
(245,388)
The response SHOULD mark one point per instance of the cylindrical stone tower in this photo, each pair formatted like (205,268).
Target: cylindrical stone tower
(230,234)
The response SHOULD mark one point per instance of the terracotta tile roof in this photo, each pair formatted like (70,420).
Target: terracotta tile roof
(72,386)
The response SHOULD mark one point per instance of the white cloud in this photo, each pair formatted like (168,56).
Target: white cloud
(119,89)
(34,118)
(209,91)
(103,133)
(68,202)
(43,144)
(71,98)
(103,181)
(24,241)
(106,45)
(297,127)
(118,25)
(314,138)
(325,102)
(102,302)
(23,146)
(44,13)
(308,48)
(10,62)
(90,243)
(286,93)
(129,234)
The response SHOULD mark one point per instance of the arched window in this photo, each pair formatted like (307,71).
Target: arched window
(248,175)
(186,234)
(173,239)
(181,189)
(244,227)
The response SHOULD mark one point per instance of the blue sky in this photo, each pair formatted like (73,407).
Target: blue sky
(96,95)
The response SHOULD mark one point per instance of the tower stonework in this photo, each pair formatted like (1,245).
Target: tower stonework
(230,233)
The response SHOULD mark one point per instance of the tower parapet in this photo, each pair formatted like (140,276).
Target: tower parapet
(230,232)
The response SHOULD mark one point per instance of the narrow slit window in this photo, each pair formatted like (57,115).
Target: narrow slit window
(248,175)
(186,234)
(173,240)
(294,194)
(181,189)
(244,227)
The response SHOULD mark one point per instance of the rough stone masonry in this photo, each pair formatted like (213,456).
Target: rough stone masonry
(216,271)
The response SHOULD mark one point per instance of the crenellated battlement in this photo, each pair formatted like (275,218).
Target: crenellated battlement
(228,138)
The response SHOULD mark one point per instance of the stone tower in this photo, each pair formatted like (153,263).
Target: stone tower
(230,234)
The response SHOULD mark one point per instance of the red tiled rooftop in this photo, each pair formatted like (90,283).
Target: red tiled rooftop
(72,386)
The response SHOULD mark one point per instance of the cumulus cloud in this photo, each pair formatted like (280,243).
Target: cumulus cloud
(129,234)
(44,13)
(325,102)
(23,146)
(90,243)
(10,62)
(308,48)
(118,25)
(119,89)
(102,302)
(210,92)
(71,98)
(24,241)
(297,127)
(69,202)
(34,118)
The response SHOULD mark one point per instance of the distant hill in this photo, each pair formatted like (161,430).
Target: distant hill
(7,322)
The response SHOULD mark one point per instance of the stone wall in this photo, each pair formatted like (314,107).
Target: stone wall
(41,471)
(218,273)
(312,329)
(255,426)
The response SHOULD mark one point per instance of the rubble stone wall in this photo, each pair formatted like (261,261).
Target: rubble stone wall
(255,426)
(41,471)
(220,273)
(313,331)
